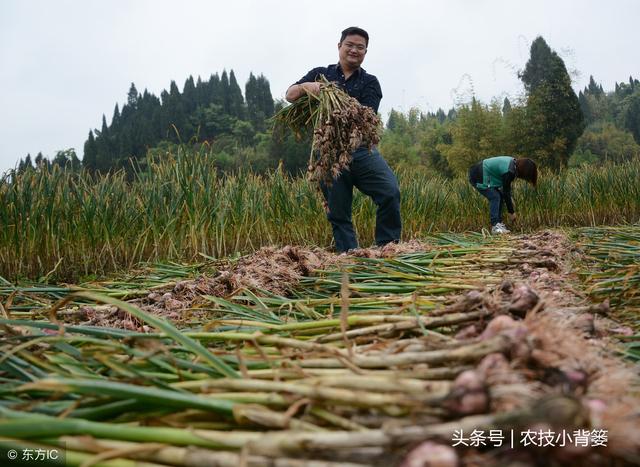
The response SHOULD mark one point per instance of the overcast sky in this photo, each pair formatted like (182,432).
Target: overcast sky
(65,63)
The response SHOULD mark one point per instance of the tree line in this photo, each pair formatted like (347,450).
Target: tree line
(550,124)
(213,113)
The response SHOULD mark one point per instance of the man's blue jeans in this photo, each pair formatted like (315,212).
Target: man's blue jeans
(371,174)
(494,196)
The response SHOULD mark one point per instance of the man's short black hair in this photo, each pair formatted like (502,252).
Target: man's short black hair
(355,31)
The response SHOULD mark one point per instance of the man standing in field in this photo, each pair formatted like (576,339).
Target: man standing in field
(368,171)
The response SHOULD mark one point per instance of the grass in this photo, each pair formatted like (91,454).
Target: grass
(61,225)
(611,270)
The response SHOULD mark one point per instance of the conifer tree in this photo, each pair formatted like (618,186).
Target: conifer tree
(594,88)
(21,166)
(105,156)
(631,115)
(164,119)
(66,159)
(584,106)
(553,111)
(393,122)
(39,160)
(115,120)
(236,101)
(90,155)
(214,108)
(132,97)
(202,98)
(225,92)
(252,95)
(189,98)
(27,162)
(506,106)
(216,90)
(175,114)
(266,98)
(260,104)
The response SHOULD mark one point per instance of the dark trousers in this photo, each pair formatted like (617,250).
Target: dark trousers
(371,174)
(494,195)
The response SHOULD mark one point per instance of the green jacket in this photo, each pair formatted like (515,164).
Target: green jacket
(492,171)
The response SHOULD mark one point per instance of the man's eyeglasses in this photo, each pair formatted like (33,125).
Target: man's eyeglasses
(358,47)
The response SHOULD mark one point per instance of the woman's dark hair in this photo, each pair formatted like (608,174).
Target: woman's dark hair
(527,170)
(355,31)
